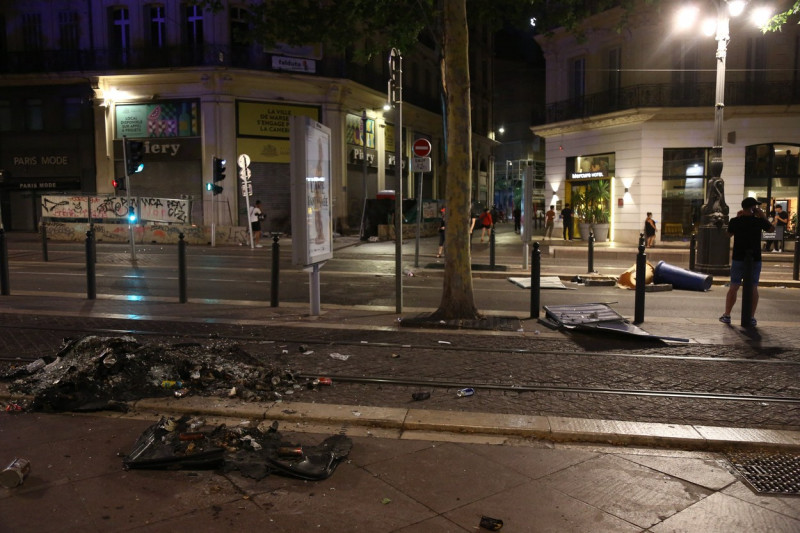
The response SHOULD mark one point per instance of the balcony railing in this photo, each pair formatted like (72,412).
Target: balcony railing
(674,95)
(109,61)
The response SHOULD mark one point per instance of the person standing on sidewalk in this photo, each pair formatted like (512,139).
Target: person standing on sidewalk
(256,216)
(441,233)
(650,230)
(780,219)
(486,223)
(549,221)
(566,217)
(517,214)
(746,230)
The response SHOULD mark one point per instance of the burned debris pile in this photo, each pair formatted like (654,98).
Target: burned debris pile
(95,373)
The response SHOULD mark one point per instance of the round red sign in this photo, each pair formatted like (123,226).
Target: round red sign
(422,148)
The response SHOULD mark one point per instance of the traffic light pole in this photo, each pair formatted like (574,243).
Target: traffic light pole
(396,100)
(128,194)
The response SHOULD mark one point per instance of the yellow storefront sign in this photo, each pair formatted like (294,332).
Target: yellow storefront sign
(268,119)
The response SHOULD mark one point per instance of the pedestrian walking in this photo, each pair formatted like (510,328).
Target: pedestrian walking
(566,217)
(549,222)
(486,223)
(441,233)
(746,230)
(650,230)
(256,216)
(517,214)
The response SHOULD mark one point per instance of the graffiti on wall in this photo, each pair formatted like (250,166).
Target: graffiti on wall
(115,208)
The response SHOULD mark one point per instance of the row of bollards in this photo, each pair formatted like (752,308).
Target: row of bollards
(90,248)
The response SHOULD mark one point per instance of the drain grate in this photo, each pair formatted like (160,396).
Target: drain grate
(769,473)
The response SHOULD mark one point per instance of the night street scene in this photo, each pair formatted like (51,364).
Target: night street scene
(399,266)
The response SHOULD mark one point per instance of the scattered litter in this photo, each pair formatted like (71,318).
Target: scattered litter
(545,282)
(253,452)
(469,391)
(181,393)
(14,408)
(356,413)
(627,280)
(445,342)
(374,238)
(386,500)
(395,355)
(409,273)
(419,396)
(492,524)
(14,474)
(232,392)
(339,356)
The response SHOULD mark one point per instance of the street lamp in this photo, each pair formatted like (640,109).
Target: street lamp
(713,242)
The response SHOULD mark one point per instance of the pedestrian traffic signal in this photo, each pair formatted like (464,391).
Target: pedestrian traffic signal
(219,169)
(131,214)
(216,189)
(118,184)
(134,152)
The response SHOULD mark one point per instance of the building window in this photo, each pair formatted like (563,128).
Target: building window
(34,114)
(193,35)
(158,26)
(32,31)
(120,34)
(73,111)
(685,67)
(685,171)
(68,30)
(577,78)
(5,115)
(614,79)
(239,26)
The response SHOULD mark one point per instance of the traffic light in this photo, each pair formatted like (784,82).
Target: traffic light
(118,184)
(131,214)
(218,175)
(134,152)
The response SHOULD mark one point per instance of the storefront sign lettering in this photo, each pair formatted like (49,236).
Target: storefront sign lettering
(44,160)
(161,148)
(585,175)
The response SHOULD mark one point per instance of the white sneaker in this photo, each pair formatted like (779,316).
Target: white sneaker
(259,245)
(776,251)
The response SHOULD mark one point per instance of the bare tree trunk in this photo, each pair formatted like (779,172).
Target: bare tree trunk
(457,296)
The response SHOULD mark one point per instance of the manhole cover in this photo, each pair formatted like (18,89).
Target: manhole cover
(769,473)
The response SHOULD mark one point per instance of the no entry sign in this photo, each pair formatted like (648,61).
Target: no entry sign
(422,148)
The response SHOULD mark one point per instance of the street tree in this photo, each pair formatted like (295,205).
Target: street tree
(369,27)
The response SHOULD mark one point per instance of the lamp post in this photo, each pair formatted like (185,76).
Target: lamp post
(363,229)
(713,241)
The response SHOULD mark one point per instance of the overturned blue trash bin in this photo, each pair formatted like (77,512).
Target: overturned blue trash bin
(680,278)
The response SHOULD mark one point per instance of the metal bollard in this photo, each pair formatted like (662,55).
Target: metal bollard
(747,290)
(181,269)
(591,252)
(94,242)
(536,281)
(273,286)
(5,288)
(692,251)
(796,269)
(641,272)
(44,241)
(91,280)
(491,248)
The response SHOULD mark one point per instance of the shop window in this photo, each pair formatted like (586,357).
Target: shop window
(685,171)
(772,176)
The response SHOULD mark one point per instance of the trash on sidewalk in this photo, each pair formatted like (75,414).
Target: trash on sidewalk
(419,396)
(596,317)
(627,280)
(254,452)
(340,356)
(681,278)
(492,524)
(15,473)
(462,393)
(103,373)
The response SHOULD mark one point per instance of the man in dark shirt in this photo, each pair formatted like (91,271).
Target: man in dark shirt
(566,217)
(781,218)
(746,230)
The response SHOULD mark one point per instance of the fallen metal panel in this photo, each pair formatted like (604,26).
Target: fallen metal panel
(599,318)
(545,282)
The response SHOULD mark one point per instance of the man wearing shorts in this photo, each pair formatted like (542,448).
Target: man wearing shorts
(746,230)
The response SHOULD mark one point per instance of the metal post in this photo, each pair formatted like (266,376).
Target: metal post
(94,242)
(44,241)
(641,269)
(363,230)
(181,269)
(419,218)
(396,65)
(91,281)
(5,288)
(591,252)
(692,251)
(796,269)
(273,286)
(747,290)
(536,268)
(313,287)
(491,247)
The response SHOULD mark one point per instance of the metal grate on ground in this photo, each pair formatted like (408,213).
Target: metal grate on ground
(769,473)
